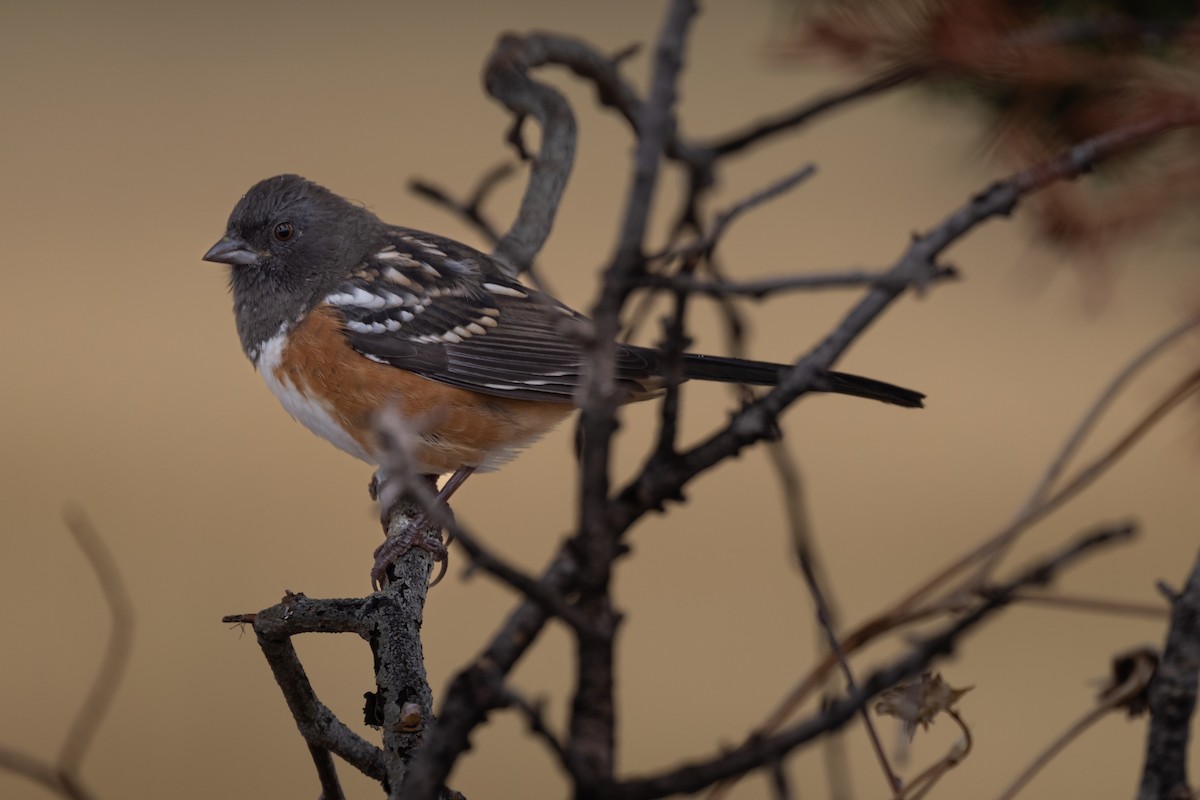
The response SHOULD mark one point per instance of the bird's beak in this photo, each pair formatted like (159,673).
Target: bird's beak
(232,251)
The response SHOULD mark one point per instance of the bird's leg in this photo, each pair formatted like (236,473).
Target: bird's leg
(413,535)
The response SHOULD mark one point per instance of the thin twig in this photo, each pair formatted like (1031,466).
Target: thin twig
(42,773)
(756,421)
(1086,475)
(724,219)
(764,287)
(802,541)
(826,623)
(1134,684)
(116,651)
(791,492)
(525,585)
(811,109)
(761,751)
(1096,605)
(907,609)
(779,781)
(62,778)
(921,785)
(536,720)
(1101,404)
(331,787)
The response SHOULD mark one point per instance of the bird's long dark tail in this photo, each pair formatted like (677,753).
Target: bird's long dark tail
(762,373)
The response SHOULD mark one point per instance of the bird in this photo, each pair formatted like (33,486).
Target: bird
(344,315)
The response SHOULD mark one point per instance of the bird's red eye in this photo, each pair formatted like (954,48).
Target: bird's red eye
(284,231)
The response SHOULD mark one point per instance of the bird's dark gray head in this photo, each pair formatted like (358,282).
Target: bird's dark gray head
(289,242)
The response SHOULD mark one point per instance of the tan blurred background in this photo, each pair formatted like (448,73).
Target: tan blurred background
(128,133)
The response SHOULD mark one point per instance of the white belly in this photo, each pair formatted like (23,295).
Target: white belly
(309,412)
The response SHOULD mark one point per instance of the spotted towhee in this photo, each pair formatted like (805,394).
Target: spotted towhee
(345,315)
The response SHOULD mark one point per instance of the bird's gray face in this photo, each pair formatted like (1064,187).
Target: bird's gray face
(289,242)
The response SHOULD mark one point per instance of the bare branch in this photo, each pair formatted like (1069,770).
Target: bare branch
(763,287)
(809,110)
(1113,698)
(779,781)
(1096,605)
(319,726)
(116,651)
(756,421)
(825,620)
(535,719)
(1086,475)
(473,692)
(331,787)
(802,543)
(759,752)
(1101,404)
(42,773)
(591,740)
(507,79)
(1173,699)
(725,218)
(62,777)
(526,585)
(469,699)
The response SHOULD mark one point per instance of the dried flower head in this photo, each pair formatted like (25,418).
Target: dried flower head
(919,701)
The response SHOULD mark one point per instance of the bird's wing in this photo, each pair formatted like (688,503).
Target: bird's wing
(446,312)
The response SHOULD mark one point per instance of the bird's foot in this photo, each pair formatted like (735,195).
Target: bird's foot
(394,547)
(412,536)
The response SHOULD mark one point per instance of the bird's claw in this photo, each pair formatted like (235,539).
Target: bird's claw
(394,547)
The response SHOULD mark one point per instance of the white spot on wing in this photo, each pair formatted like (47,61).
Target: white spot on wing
(356,297)
(429,247)
(366,327)
(506,291)
(459,266)
(396,276)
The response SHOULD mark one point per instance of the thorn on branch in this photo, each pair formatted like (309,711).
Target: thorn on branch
(1167,591)
(515,136)
(624,54)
